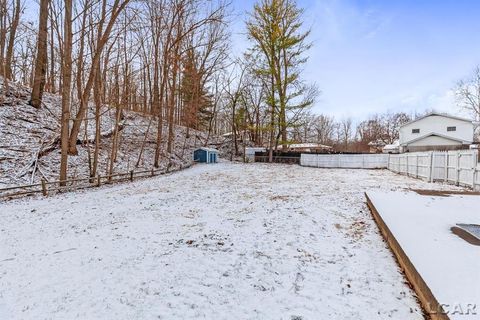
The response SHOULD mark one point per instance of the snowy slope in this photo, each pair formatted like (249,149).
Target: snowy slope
(226,241)
(24,131)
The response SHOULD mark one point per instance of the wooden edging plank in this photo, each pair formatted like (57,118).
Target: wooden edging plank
(430,304)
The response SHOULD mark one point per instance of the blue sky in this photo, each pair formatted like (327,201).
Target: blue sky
(385,55)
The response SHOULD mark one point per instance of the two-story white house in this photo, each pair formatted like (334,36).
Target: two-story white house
(436,131)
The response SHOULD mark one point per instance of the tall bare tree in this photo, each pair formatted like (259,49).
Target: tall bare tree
(108,17)
(345,132)
(17,9)
(41,59)
(467,93)
(66,89)
(275,29)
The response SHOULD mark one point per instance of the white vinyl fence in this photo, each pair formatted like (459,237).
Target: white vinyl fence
(458,167)
(352,161)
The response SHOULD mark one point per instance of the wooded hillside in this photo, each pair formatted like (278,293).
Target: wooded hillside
(104,85)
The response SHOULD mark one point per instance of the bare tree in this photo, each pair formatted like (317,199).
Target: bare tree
(345,132)
(17,9)
(234,87)
(467,93)
(4,26)
(275,29)
(324,127)
(41,59)
(66,89)
(391,123)
(108,18)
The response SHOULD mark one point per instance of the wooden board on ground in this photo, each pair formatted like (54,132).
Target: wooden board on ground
(442,267)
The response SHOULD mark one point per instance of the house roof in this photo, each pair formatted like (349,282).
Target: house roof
(391,147)
(438,135)
(394,145)
(376,143)
(308,145)
(437,114)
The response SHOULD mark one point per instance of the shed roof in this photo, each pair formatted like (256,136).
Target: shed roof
(208,149)
(436,114)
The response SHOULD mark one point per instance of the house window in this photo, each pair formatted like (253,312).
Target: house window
(415,130)
(451,128)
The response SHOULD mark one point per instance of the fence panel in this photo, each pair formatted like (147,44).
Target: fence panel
(425,162)
(467,165)
(439,170)
(348,161)
(477,178)
(458,167)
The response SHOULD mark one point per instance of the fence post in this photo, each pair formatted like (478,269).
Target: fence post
(475,175)
(457,169)
(131,175)
(474,167)
(416,165)
(474,171)
(153,172)
(44,188)
(408,167)
(99,181)
(446,166)
(431,167)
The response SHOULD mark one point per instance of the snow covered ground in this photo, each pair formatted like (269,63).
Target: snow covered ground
(449,265)
(225,241)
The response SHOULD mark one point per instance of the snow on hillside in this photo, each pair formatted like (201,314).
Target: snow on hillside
(25,131)
(225,241)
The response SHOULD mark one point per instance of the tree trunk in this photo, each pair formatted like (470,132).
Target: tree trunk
(66,90)
(52,87)
(161,99)
(97,97)
(41,60)
(3,34)
(272,122)
(11,40)
(171,103)
(101,42)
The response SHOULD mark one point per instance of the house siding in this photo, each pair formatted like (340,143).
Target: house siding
(434,148)
(437,124)
(434,141)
